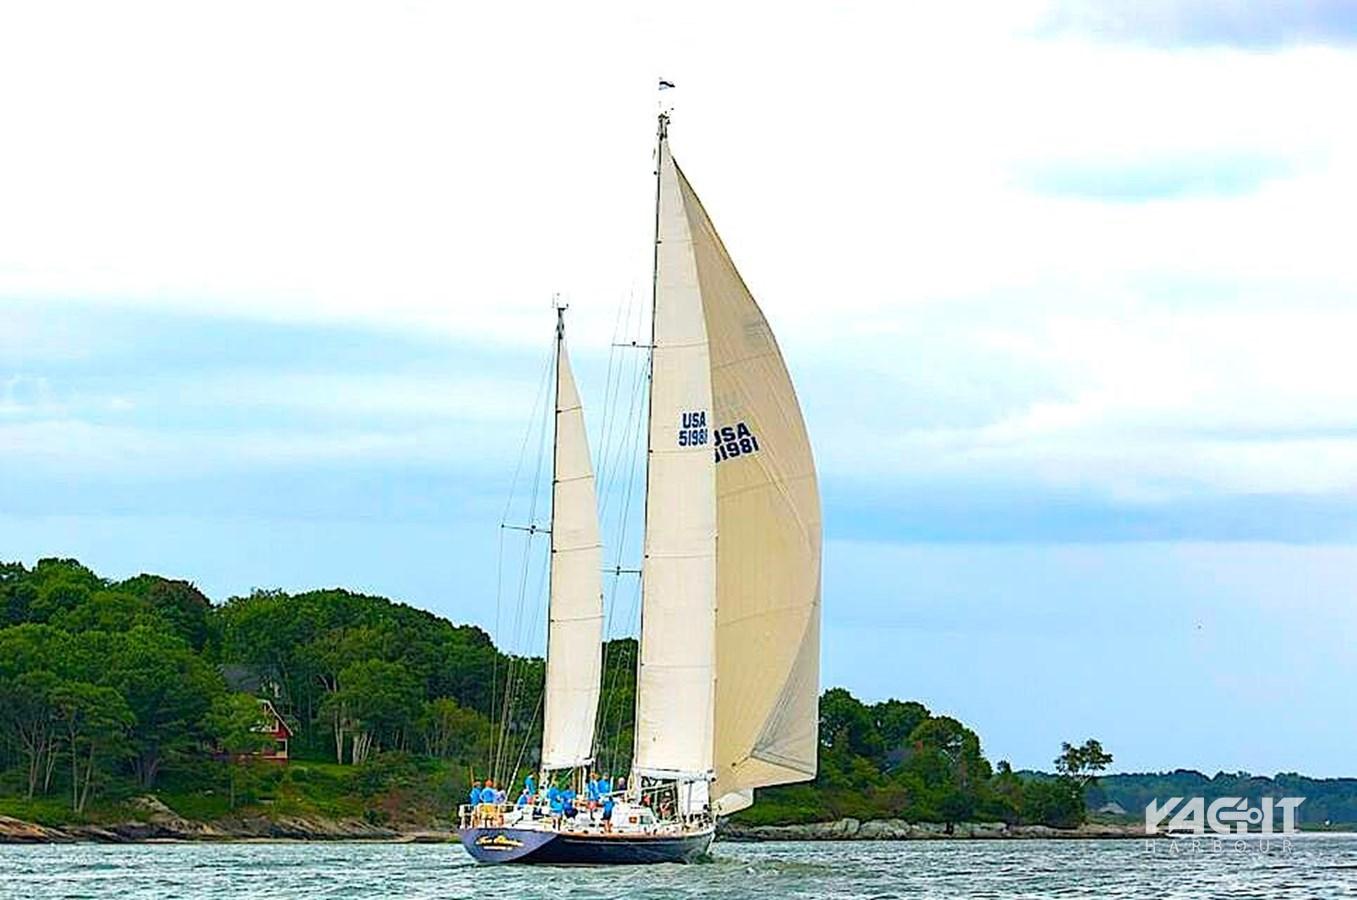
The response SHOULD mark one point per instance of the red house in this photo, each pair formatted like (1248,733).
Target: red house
(275,728)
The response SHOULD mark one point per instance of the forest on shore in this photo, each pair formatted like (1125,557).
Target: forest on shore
(111,690)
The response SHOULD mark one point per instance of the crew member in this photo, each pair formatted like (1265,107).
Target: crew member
(608,814)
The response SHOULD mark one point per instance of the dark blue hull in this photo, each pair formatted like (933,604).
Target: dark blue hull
(524,845)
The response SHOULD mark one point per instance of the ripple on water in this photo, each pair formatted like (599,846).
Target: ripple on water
(1319,866)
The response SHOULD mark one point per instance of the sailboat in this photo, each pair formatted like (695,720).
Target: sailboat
(728,670)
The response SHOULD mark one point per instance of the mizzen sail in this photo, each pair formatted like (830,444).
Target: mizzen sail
(575,631)
(674,690)
(768,519)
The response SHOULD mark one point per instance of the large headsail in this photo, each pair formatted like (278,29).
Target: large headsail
(575,632)
(674,689)
(768,518)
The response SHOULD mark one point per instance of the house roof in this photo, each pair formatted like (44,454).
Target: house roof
(279,723)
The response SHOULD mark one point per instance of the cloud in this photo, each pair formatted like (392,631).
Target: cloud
(1205,23)
(1153,406)
(331,194)
(1154,180)
(310,263)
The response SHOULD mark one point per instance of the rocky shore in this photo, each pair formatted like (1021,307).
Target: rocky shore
(899,830)
(157,822)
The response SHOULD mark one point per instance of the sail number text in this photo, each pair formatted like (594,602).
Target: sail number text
(693,431)
(727,441)
(734,440)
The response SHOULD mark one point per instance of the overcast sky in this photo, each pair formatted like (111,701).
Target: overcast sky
(1068,292)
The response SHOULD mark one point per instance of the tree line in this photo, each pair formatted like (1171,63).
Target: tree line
(106,685)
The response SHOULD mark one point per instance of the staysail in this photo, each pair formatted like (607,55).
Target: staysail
(768,521)
(575,630)
(674,689)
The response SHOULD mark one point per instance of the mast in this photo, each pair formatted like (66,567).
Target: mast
(551,547)
(661,135)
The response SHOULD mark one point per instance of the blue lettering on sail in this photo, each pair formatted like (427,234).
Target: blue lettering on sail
(734,440)
(693,429)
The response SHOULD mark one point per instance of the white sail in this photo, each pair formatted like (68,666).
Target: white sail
(768,518)
(674,689)
(575,632)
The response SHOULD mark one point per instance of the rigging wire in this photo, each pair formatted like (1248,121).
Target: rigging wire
(635,427)
(512,684)
(498,704)
(609,387)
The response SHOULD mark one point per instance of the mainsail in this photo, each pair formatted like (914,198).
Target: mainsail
(674,687)
(575,632)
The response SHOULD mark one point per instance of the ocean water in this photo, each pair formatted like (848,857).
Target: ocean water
(1305,866)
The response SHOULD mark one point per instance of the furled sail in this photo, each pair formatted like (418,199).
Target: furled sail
(768,519)
(575,631)
(674,690)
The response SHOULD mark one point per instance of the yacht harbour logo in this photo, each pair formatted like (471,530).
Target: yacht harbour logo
(1224,815)
(734,440)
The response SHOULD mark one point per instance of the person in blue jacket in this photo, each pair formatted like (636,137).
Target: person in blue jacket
(608,814)
(475,796)
(556,803)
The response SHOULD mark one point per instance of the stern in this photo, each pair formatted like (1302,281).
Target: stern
(502,845)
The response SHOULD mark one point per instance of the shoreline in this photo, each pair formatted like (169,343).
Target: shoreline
(849,829)
(251,830)
(162,826)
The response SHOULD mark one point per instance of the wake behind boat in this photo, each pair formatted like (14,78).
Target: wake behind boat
(728,676)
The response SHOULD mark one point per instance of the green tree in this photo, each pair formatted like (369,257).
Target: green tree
(108,611)
(894,721)
(60,584)
(94,722)
(1006,791)
(1082,764)
(1077,769)
(31,656)
(383,700)
(17,593)
(1053,802)
(30,722)
(238,724)
(451,731)
(947,758)
(169,689)
(845,723)
(179,604)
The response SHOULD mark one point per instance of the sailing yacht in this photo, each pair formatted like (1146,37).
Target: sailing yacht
(728,674)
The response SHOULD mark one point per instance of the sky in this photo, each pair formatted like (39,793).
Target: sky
(1067,291)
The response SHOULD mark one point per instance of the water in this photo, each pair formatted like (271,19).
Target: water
(1311,866)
